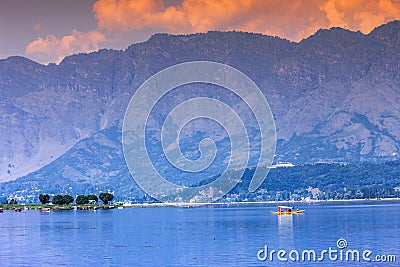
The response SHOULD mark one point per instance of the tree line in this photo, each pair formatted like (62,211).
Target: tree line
(11,202)
(334,181)
(80,199)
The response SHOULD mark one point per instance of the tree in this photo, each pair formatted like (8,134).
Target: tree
(58,200)
(44,198)
(13,202)
(82,199)
(68,199)
(106,197)
(93,197)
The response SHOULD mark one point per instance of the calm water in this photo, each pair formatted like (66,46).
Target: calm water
(199,237)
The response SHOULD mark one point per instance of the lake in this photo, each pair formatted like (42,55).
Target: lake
(205,236)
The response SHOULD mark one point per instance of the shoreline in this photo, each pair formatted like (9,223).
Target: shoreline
(264,203)
(196,205)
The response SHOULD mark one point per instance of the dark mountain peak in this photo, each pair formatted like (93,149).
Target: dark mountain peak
(19,76)
(91,57)
(232,47)
(155,39)
(159,37)
(228,37)
(335,37)
(337,31)
(19,62)
(389,32)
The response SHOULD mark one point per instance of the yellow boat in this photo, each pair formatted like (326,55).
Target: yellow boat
(287,210)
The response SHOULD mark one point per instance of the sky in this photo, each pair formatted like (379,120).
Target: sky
(48,30)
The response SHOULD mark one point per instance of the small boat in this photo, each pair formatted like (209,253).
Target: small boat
(1,210)
(287,210)
(44,209)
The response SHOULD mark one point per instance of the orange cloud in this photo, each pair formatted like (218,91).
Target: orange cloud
(127,15)
(292,19)
(363,15)
(52,49)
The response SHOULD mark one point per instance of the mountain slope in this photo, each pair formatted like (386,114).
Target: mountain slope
(335,96)
(93,165)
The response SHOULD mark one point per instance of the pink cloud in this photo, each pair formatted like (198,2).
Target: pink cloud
(52,49)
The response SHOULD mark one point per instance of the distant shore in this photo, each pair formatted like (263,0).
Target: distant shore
(193,205)
(267,203)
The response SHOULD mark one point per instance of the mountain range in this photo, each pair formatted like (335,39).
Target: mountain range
(335,97)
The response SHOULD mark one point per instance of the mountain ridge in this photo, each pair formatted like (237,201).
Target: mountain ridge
(335,95)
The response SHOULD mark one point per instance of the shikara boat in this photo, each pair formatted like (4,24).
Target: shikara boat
(44,209)
(287,210)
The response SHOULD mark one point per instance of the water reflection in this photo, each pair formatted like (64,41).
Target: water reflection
(285,229)
(285,223)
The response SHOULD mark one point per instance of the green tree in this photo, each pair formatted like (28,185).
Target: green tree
(58,200)
(13,202)
(82,199)
(93,197)
(44,198)
(68,199)
(106,197)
